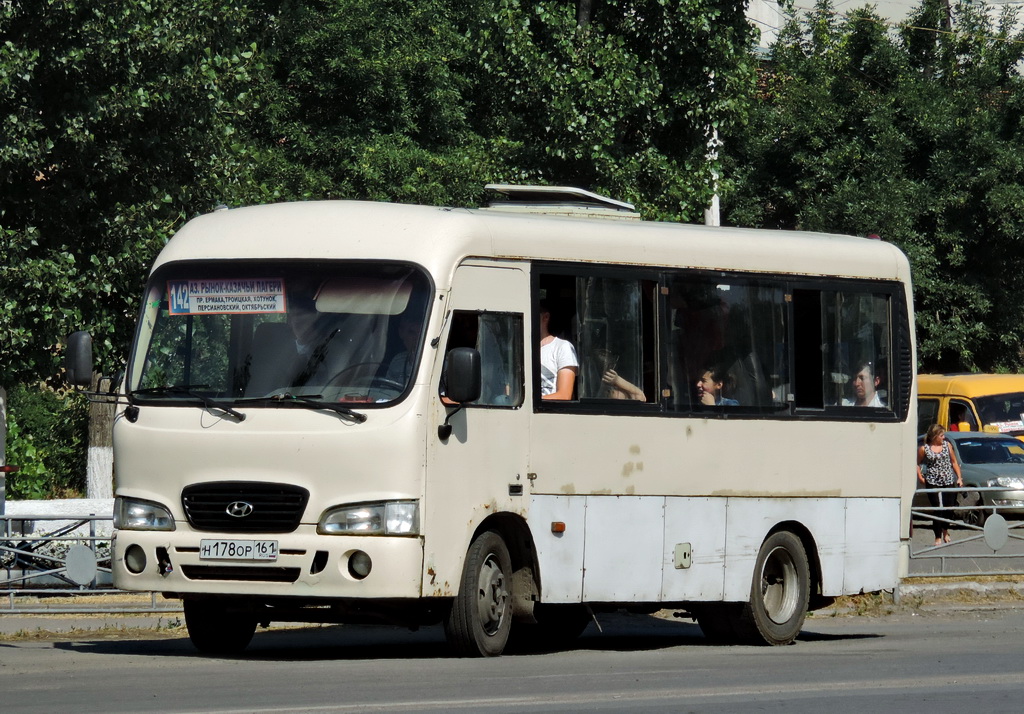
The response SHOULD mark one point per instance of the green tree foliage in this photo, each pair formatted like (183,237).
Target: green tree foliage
(365,99)
(913,135)
(118,121)
(625,104)
(426,101)
(47,436)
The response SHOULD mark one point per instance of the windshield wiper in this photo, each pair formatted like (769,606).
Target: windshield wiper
(309,401)
(189,390)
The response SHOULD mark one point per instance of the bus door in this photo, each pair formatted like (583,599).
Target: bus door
(480,469)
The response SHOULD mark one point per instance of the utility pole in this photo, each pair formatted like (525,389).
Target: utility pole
(713,214)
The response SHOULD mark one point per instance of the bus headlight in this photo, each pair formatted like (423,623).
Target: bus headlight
(385,518)
(134,514)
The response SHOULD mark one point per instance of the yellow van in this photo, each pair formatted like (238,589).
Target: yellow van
(972,402)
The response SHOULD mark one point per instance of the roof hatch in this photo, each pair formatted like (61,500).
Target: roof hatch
(556,200)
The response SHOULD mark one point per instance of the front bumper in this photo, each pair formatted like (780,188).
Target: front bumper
(309,565)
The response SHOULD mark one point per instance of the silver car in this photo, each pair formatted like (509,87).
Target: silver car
(986,461)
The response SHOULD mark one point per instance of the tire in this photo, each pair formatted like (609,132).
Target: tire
(215,629)
(481,615)
(779,593)
(717,620)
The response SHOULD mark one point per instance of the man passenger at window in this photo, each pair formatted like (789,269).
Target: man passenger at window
(865,388)
(558,362)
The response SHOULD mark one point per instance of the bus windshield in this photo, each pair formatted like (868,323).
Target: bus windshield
(266,333)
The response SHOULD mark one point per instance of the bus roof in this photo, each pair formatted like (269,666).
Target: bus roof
(440,238)
(969,385)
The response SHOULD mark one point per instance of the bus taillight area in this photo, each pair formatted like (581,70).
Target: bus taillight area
(296,565)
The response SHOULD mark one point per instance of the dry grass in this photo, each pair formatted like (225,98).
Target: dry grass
(869,605)
(941,593)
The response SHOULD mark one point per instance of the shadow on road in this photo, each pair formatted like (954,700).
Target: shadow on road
(620,632)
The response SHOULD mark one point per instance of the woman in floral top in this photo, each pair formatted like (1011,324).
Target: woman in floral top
(941,471)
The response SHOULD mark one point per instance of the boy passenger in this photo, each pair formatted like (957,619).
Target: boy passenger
(558,362)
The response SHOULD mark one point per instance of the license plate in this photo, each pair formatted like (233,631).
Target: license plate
(238,550)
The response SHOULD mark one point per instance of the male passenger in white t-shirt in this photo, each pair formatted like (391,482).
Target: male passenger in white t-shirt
(865,388)
(558,362)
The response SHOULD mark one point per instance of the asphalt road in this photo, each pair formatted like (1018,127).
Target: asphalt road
(938,661)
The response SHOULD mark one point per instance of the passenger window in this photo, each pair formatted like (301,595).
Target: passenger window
(616,361)
(727,345)
(606,325)
(842,349)
(856,349)
(498,336)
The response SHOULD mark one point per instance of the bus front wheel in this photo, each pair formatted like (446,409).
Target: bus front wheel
(215,629)
(481,615)
(779,592)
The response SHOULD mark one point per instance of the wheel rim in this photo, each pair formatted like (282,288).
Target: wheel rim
(492,595)
(779,587)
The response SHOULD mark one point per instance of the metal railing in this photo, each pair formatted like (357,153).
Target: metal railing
(45,557)
(986,544)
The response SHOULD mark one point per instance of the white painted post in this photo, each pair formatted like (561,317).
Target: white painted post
(99,475)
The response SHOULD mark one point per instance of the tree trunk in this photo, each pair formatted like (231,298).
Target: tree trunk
(99,482)
(584,8)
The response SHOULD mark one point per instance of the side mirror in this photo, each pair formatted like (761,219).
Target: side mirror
(462,383)
(79,359)
(462,375)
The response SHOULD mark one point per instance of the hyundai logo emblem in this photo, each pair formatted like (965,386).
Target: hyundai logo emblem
(239,509)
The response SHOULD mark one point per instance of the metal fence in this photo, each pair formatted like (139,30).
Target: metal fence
(983,542)
(50,557)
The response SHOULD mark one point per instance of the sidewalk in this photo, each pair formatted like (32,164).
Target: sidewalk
(114,615)
(133,615)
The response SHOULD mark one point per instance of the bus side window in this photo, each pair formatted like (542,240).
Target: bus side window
(843,341)
(498,337)
(856,348)
(616,339)
(728,345)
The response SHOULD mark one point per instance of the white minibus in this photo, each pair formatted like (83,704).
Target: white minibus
(335,412)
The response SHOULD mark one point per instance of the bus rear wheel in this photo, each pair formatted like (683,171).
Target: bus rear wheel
(481,615)
(215,629)
(779,592)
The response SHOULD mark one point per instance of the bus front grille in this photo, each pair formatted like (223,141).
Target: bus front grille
(244,506)
(262,574)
